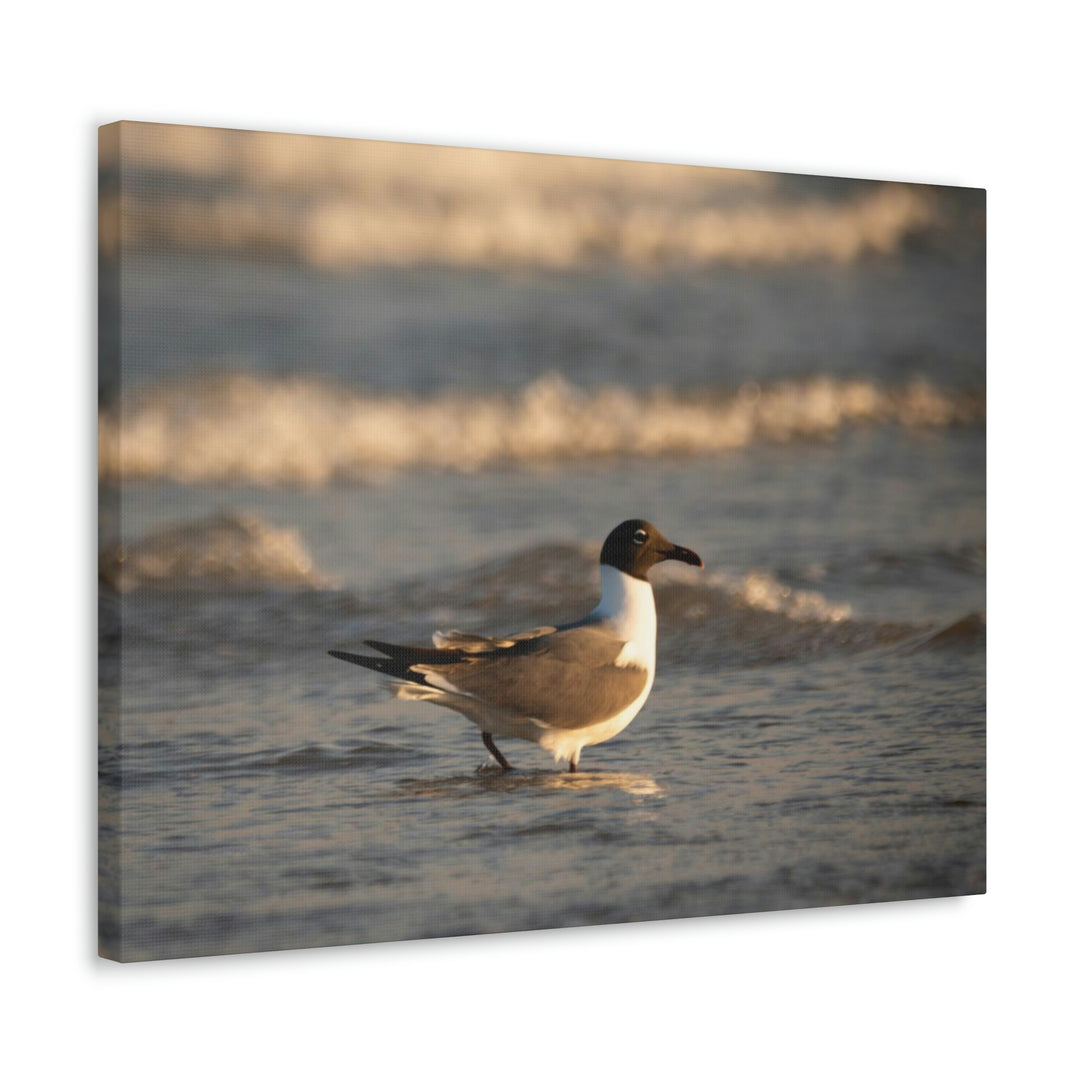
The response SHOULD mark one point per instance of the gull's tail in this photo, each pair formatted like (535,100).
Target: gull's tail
(413,685)
(399,659)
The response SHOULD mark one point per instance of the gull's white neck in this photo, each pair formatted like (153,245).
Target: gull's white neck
(628,605)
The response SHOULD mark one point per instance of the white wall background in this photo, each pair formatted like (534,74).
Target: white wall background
(953,93)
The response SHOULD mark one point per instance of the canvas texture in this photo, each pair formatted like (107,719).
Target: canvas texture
(376,661)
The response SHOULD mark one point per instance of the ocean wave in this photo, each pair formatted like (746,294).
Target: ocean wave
(238,550)
(264,432)
(963,633)
(764,591)
(719,618)
(716,619)
(343,203)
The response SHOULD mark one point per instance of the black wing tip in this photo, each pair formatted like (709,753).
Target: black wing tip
(352,658)
(384,665)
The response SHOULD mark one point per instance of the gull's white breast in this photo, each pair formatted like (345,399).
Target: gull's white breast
(627,606)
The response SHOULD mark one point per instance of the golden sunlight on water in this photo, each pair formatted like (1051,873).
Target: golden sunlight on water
(342,203)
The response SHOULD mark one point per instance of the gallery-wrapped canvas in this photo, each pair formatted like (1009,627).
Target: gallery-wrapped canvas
(495,541)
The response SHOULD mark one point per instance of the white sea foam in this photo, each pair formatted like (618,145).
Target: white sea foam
(342,203)
(229,549)
(249,430)
(763,591)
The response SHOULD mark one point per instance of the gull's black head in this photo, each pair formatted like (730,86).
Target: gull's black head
(636,546)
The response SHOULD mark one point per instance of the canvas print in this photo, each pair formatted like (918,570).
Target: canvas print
(493,541)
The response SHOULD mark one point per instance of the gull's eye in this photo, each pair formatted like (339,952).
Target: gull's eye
(640,536)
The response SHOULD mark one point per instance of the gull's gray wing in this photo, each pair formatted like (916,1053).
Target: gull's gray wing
(566,678)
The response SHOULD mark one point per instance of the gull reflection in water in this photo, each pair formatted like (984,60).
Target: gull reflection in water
(631,783)
(493,778)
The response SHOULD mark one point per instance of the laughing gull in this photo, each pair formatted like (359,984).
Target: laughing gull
(564,687)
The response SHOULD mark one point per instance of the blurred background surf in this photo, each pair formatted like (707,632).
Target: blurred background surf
(354,389)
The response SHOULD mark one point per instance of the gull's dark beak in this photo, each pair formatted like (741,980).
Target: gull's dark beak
(683,555)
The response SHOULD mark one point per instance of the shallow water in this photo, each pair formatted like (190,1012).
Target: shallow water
(822,782)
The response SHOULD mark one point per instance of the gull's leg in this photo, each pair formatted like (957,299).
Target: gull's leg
(489,742)
(574,761)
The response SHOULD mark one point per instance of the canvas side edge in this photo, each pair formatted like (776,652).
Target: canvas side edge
(110,627)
